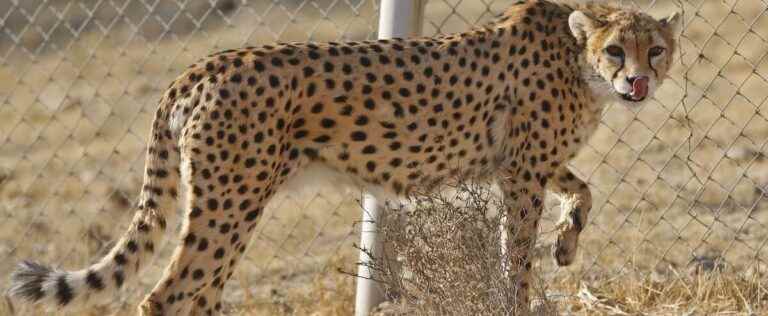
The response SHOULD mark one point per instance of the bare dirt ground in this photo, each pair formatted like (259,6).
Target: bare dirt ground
(679,182)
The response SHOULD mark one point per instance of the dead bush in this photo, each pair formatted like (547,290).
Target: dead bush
(443,255)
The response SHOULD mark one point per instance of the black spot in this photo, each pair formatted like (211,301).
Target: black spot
(369,104)
(120,259)
(195,212)
(94,281)
(388,79)
(274,82)
(328,66)
(132,246)
(365,61)
(198,274)
(361,120)
(119,277)
(308,71)
(190,239)
(327,123)
(213,204)
(252,215)
(224,93)
(202,245)
(546,106)
(358,136)
(346,110)
(64,292)
(259,66)
(322,139)
(317,108)
(237,62)
(219,253)
(243,206)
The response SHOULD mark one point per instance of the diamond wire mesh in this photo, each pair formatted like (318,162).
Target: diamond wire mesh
(682,179)
(80,81)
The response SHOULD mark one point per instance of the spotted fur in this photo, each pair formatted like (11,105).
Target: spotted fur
(512,101)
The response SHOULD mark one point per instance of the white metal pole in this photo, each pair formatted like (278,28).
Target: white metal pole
(368,294)
(397,18)
(401,18)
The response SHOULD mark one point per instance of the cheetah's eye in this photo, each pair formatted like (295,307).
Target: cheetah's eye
(656,51)
(615,51)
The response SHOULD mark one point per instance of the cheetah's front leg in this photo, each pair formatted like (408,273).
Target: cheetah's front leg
(523,210)
(575,206)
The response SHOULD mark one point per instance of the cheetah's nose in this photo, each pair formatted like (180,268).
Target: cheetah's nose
(639,87)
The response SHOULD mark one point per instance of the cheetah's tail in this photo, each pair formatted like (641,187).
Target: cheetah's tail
(58,289)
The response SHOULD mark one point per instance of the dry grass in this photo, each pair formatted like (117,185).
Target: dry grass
(443,255)
(714,293)
(684,177)
(443,258)
(330,293)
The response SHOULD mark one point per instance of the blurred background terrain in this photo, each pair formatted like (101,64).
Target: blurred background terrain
(679,183)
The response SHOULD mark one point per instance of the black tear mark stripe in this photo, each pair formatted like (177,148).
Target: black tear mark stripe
(650,64)
(623,62)
(616,74)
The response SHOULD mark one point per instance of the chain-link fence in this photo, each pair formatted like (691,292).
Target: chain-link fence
(683,179)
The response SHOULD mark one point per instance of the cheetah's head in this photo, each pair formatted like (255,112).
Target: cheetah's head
(628,53)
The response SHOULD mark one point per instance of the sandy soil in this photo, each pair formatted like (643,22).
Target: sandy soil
(682,178)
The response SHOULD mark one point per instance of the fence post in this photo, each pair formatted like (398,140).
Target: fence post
(397,18)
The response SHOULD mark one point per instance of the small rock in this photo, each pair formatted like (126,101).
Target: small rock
(391,309)
(705,264)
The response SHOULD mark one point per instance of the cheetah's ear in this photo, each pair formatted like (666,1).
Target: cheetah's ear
(671,23)
(582,25)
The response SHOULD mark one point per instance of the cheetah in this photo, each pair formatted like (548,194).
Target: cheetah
(512,101)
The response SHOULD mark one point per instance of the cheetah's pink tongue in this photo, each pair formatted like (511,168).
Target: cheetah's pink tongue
(640,88)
